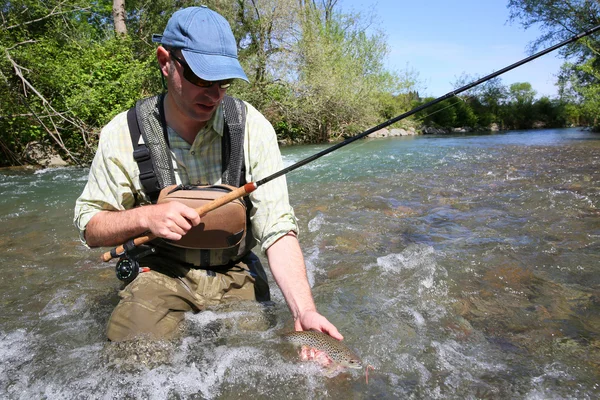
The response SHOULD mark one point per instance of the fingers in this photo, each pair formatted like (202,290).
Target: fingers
(190,215)
(171,220)
(315,321)
(332,331)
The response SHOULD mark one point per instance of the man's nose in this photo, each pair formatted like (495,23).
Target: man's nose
(214,92)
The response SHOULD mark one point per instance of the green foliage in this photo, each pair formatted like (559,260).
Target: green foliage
(484,114)
(579,81)
(585,82)
(518,113)
(511,108)
(109,80)
(315,73)
(441,114)
(522,93)
(341,85)
(465,115)
(64,78)
(559,20)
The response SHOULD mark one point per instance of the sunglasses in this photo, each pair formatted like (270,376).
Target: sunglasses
(192,78)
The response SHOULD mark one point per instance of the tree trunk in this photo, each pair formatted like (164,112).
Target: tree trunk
(119,17)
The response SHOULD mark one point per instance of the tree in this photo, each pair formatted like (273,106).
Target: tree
(266,31)
(559,20)
(68,66)
(442,114)
(519,111)
(521,93)
(484,100)
(340,74)
(493,94)
(118,11)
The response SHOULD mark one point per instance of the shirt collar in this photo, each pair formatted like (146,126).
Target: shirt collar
(215,123)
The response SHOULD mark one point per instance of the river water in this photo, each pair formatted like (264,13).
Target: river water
(457,266)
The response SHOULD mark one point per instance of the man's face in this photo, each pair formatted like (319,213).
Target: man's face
(196,103)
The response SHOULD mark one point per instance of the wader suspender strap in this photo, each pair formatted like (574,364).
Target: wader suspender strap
(232,148)
(233,166)
(141,155)
(153,157)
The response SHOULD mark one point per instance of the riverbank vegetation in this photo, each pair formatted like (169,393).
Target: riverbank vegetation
(68,66)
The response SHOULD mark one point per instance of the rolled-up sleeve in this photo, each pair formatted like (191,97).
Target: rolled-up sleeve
(272,216)
(111,178)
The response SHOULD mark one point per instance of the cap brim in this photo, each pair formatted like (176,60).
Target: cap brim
(214,67)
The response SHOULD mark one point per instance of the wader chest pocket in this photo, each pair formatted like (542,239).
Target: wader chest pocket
(222,228)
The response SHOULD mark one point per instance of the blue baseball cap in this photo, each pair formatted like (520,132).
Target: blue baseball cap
(206,42)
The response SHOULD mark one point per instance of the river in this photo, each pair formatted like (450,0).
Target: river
(457,266)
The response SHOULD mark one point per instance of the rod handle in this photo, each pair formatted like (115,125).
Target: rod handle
(229,197)
(216,203)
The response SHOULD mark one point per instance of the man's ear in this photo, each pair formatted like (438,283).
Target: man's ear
(162,55)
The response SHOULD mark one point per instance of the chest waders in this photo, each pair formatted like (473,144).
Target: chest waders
(154,160)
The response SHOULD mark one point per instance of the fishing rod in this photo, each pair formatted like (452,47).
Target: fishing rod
(252,186)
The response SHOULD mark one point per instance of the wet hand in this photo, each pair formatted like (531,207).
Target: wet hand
(170,220)
(312,320)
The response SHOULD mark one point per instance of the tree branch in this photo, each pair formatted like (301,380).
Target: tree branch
(54,133)
(52,13)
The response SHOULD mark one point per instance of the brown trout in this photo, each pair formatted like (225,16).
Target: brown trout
(335,350)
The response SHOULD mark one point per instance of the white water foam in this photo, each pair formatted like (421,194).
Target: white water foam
(311,257)
(421,290)
(410,364)
(315,224)
(452,356)
(16,349)
(553,372)
(419,258)
(60,306)
(51,170)
(198,371)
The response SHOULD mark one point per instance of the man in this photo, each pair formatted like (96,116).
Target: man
(198,59)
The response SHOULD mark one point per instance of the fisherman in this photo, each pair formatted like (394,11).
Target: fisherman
(197,57)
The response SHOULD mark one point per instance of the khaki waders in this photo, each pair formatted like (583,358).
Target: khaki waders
(154,304)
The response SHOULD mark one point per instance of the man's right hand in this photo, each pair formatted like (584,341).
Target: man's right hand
(169,220)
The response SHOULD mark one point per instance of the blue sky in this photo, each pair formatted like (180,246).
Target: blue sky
(441,40)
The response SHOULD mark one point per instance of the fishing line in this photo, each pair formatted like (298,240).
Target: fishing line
(421,119)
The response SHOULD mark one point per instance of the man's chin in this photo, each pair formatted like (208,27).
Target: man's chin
(203,113)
